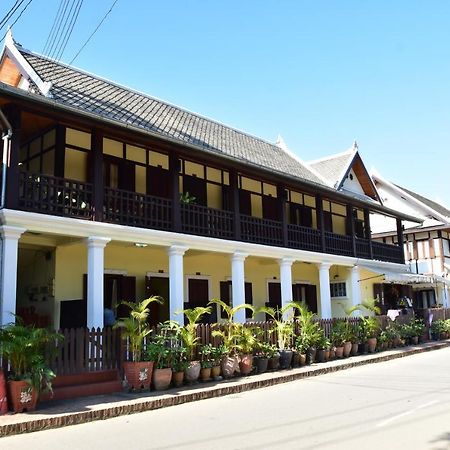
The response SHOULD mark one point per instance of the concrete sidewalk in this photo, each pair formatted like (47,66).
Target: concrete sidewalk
(70,412)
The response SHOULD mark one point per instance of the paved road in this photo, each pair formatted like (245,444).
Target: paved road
(400,404)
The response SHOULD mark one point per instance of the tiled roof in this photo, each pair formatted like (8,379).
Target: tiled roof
(332,168)
(430,203)
(75,88)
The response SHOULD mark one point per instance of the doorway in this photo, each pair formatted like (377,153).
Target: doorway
(158,284)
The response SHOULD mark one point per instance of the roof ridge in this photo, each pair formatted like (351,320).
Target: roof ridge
(350,151)
(150,97)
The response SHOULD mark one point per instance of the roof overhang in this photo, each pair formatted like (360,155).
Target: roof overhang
(321,189)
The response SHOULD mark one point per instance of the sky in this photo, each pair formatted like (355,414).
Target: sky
(319,73)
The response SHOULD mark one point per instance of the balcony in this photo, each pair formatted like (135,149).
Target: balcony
(62,197)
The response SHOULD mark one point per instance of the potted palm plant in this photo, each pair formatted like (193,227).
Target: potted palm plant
(135,330)
(309,335)
(26,348)
(246,343)
(161,355)
(190,340)
(229,334)
(179,365)
(284,329)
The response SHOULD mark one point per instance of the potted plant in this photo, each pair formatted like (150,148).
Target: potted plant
(323,348)
(216,356)
(246,343)
(161,355)
(339,337)
(179,365)
(229,334)
(284,329)
(310,333)
(264,351)
(206,361)
(135,330)
(417,330)
(370,329)
(25,348)
(190,340)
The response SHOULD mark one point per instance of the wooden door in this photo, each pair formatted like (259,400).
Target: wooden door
(159,286)
(306,293)
(226,293)
(271,208)
(158,182)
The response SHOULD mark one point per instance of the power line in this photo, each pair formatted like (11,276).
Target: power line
(69,31)
(53,29)
(95,31)
(8,15)
(17,18)
(59,34)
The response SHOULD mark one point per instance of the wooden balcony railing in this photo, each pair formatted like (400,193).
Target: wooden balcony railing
(387,252)
(304,238)
(57,196)
(362,248)
(63,197)
(204,221)
(338,244)
(261,231)
(139,210)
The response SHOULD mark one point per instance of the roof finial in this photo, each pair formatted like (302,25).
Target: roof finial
(280,143)
(355,145)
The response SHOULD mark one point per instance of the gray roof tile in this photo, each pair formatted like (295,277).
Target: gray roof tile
(332,167)
(72,87)
(426,201)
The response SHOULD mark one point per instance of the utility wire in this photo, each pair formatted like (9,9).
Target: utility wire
(17,18)
(56,42)
(53,29)
(95,31)
(8,15)
(69,31)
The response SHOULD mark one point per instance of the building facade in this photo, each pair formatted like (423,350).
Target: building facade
(109,194)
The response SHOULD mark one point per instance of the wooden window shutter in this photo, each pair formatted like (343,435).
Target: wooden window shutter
(432,251)
(225,295)
(248,298)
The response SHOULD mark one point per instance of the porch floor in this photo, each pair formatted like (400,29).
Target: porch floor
(59,413)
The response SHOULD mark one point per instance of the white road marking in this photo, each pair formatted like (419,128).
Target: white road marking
(407,413)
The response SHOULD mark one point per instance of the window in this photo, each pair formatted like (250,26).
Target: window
(338,289)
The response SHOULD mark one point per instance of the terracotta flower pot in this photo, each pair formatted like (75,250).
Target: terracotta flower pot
(332,353)
(372,343)
(354,349)
(192,372)
(205,374)
(22,396)
(215,372)
(347,349)
(246,364)
(229,365)
(178,378)
(339,352)
(326,354)
(138,374)
(162,379)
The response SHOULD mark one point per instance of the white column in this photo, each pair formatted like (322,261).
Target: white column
(238,284)
(355,288)
(8,292)
(325,296)
(286,282)
(445,299)
(176,282)
(96,268)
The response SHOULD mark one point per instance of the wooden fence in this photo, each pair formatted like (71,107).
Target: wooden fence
(84,350)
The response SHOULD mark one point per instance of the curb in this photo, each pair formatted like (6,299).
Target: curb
(225,388)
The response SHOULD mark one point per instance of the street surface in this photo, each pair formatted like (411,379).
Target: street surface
(400,404)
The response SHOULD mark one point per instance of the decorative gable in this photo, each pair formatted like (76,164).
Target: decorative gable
(9,72)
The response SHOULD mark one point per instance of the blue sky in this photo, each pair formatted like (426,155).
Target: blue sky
(320,73)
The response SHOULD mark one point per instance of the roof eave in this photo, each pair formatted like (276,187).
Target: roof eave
(15,92)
